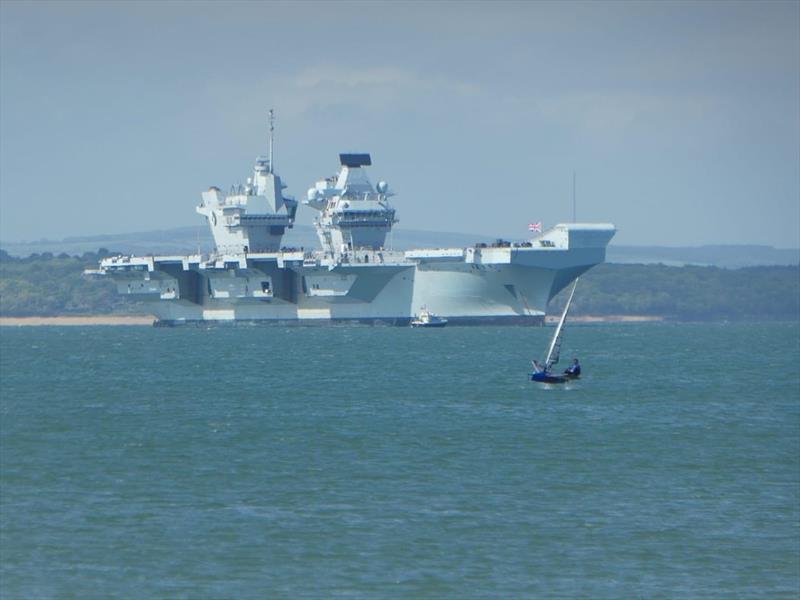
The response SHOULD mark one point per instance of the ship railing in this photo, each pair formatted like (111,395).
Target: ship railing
(370,256)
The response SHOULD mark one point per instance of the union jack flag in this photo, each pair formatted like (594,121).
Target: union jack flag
(535,227)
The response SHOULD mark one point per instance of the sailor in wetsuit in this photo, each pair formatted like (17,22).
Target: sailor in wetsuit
(574,369)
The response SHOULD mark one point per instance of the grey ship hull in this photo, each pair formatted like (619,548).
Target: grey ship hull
(497,285)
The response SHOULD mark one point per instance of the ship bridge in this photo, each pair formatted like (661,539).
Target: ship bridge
(253,216)
(354,214)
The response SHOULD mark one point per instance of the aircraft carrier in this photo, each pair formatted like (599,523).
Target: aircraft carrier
(353,276)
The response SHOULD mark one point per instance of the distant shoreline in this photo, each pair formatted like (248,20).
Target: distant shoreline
(148,320)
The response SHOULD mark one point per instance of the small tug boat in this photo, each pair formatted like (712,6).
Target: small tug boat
(428,319)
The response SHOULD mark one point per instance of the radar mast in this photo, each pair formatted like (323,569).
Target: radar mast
(271,137)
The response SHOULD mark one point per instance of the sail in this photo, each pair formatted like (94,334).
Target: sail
(555,346)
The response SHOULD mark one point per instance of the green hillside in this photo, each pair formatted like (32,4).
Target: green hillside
(47,285)
(688,293)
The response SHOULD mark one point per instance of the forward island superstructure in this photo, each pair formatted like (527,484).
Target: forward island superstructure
(353,277)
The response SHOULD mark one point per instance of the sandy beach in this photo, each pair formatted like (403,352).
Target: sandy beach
(605,319)
(72,320)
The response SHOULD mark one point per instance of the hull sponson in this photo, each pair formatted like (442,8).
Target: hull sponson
(498,285)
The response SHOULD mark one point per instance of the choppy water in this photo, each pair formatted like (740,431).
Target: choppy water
(387,462)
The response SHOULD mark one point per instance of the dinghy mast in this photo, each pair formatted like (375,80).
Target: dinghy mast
(555,346)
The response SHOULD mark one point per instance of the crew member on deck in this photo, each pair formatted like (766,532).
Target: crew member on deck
(574,369)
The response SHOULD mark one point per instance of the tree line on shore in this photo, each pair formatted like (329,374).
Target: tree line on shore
(687,293)
(48,285)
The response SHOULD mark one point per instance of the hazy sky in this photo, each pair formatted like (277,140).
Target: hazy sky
(682,120)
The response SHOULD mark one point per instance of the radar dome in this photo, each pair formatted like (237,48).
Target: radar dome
(383,187)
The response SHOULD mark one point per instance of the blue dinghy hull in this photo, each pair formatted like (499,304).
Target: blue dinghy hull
(542,377)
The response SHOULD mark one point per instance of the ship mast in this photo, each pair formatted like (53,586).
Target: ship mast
(271,137)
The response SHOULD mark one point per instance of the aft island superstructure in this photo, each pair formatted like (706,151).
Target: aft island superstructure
(353,277)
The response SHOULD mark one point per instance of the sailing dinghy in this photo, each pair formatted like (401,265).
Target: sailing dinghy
(542,372)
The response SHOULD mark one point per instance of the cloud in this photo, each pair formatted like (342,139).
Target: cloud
(338,76)
(616,113)
(377,88)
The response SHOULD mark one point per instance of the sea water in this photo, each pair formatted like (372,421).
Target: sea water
(268,462)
